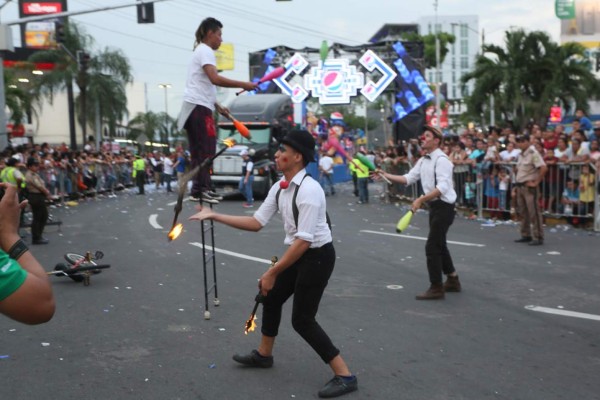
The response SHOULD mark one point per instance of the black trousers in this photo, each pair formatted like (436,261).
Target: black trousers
(306,280)
(37,201)
(202,142)
(140,179)
(441,216)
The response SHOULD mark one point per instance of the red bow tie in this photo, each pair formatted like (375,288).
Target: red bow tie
(284,184)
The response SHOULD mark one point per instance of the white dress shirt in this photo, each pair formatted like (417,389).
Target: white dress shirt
(312,220)
(431,168)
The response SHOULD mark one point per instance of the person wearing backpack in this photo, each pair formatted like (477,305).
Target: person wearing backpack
(304,269)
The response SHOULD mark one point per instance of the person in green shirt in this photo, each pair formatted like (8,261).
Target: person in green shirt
(25,292)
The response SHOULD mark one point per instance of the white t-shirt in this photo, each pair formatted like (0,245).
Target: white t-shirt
(198,88)
(326,164)
(168,166)
(510,155)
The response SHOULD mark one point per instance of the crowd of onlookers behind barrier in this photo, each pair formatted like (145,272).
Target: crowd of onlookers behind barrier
(72,174)
(484,169)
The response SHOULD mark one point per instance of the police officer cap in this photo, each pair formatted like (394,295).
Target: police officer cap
(11,162)
(303,142)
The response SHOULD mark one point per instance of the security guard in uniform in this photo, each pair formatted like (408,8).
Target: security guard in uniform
(139,172)
(37,196)
(531,169)
(13,175)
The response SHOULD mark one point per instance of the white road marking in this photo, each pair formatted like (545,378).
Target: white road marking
(234,254)
(395,287)
(175,202)
(423,238)
(153,221)
(564,313)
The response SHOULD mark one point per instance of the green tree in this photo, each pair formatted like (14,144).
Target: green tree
(19,101)
(106,78)
(148,123)
(429,43)
(92,78)
(528,75)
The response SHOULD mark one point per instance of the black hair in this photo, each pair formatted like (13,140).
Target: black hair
(209,24)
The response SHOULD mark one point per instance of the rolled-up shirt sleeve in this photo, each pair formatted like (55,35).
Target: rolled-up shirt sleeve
(308,214)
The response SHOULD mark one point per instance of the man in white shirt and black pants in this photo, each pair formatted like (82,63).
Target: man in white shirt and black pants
(434,170)
(304,269)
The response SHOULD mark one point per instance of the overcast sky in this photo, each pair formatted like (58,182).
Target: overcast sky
(159,52)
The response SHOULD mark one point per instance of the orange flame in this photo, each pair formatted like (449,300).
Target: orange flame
(175,232)
(229,142)
(250,324)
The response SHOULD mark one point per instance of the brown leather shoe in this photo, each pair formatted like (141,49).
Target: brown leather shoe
(452,284)
(435,292)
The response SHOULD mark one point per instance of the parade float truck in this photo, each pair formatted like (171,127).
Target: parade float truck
(268,117)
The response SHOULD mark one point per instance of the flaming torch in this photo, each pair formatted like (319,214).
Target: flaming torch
(176,228)
(251,323)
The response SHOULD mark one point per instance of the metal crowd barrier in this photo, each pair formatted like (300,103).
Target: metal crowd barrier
(478,188)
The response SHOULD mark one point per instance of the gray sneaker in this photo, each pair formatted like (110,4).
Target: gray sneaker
(254,359)
(339,386)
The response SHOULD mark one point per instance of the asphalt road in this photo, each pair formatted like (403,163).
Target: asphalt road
(139,332)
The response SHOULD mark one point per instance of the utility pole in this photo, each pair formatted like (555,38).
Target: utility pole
(166,86)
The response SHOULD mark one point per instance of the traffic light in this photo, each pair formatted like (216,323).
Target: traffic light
(59,32)
(145,13)
(83,60)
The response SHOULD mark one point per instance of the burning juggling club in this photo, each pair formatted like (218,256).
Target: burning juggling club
(177,228)
(251,324)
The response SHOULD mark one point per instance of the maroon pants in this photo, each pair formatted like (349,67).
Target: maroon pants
(202,139)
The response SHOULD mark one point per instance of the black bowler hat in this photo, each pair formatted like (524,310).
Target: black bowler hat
(303,142)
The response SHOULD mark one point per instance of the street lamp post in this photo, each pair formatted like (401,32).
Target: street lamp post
(166,86)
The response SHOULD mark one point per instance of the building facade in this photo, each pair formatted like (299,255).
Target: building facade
(460,58)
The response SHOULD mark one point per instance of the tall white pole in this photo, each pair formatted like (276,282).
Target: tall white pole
(438,112)
(166,86)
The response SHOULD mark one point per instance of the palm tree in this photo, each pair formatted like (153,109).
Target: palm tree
(168,128)
(528,75)
(18,101)
(148,123)
(105,97)
(108,92)
(65,71)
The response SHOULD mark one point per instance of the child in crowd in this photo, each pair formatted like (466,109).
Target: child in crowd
(491,192)
(504,181)
(586,190)
(470,191)
(570,201)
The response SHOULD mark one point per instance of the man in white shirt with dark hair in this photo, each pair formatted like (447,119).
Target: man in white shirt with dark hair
(305,267)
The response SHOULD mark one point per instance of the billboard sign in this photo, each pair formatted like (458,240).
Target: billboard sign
(565,9)
(39,34)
